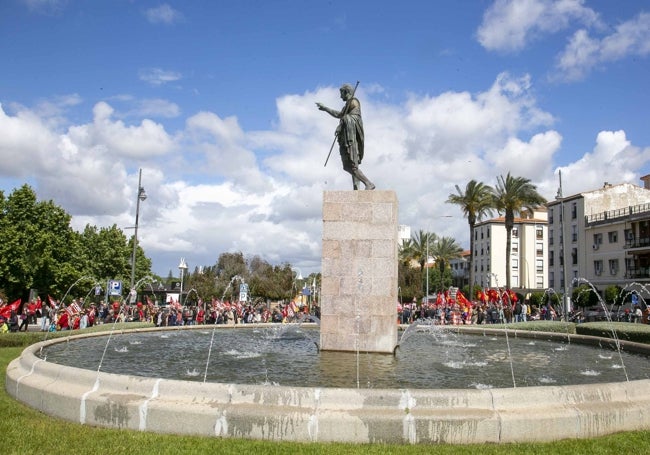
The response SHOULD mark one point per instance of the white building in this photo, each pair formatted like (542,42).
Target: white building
(602,236)
(403,233)
(528,252)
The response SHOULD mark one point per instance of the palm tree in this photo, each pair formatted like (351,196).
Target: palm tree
(405,250)
(421,244)
(475,202)
(511,196)
(444,250)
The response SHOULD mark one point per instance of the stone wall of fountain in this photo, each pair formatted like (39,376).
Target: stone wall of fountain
(324,414)
(359,271)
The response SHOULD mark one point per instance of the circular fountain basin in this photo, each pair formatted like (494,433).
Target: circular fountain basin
(366,410)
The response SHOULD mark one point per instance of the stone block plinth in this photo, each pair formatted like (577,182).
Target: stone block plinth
(359,271)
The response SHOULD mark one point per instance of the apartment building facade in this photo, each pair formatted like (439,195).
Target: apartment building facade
(602,236)
(528,252)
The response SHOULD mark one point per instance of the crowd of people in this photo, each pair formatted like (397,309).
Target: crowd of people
(56,316)
(453,308)
(448,308)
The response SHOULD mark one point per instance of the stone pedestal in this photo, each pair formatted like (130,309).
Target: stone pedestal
(359,271)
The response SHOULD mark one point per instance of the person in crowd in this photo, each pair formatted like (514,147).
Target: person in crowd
(63,321)
(13,322)
(24,320)
(83,320)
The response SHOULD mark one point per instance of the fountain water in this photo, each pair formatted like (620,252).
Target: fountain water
(322,408)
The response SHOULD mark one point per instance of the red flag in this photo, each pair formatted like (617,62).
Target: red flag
(462,299)
(6,310)
(52,301)
(73,309)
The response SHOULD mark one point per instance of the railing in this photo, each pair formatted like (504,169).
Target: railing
(636,273)
(618,213)
(638,243)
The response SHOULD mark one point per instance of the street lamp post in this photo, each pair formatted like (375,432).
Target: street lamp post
(183,268)
(141,197)
(298,277)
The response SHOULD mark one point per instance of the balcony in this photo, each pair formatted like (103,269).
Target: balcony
(640,243)
(638,273)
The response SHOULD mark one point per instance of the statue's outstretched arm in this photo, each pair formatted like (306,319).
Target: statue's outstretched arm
(331,112)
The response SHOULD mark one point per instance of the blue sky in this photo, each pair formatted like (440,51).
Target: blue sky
(215,102)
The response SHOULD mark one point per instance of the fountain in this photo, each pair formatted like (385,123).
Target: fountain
(325,411)
(393,410)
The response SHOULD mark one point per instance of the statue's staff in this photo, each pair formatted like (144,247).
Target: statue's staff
(343,112)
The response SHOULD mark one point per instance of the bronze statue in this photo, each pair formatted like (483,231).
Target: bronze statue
(349,134)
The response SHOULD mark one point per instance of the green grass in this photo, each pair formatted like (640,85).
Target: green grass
(28,431)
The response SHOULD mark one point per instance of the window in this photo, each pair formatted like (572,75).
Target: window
(574,233)
(551,279)
(574,256)
(613,266)
(551,258)
(539,282)
(539,265)
(574,211)
(612,236)
(539,249)
(514,248)
(515,264)
(598,267)
(550,237)
(515,232)
(598,239)
(550,216)
(539,233)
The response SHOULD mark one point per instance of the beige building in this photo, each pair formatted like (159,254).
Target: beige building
(528,252)
(602,236)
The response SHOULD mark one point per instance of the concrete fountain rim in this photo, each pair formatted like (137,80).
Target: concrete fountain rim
(331,414)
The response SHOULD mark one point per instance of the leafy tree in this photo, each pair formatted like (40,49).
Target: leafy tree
(511,196)
(612,295)
(203,280)
(410,282)
(584,296)
(107,253)
(38,248)
(228,266)
(267,281)
(475,202)
(441,282)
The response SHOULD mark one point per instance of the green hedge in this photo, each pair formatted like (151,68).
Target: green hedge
(24,339)
(639,333)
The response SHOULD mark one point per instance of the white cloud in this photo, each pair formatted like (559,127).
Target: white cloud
(159,76)
(156,108)
(46,7)
(583,53)
(214,186)
(509,25)
(163,14)
(613,159)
